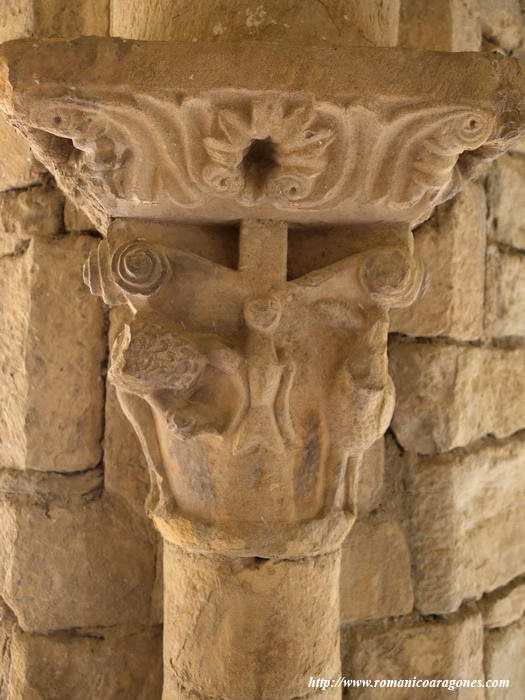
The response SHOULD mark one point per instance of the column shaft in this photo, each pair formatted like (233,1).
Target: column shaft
(249,628)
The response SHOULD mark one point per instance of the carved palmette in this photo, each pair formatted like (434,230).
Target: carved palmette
(287,152)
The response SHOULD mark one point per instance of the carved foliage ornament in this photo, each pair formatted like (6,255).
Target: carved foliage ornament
(275,384)
(255,395)
(287,151)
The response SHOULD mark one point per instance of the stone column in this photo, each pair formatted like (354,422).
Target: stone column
(257,224)
(255,483)
(306,22)
(255,627)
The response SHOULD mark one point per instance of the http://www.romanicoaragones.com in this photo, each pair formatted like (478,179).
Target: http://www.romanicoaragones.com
(450,684)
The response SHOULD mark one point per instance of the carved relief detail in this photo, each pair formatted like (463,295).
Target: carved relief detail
(272,151)
(418,156)
(263,378)
(290,152)
(138,268)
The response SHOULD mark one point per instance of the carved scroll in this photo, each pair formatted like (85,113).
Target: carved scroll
(353,135)
(262,149)
(264,391)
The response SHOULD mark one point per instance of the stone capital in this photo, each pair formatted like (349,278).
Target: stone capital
(256,203)
(216,132)
(255,395)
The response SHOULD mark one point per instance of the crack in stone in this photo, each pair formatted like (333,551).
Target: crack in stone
(330,16)
(52,487)
(19,251)
(470,449)
(507,248)
(435,340)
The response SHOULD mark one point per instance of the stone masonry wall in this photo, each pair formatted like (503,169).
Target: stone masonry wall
(433,581)
(80,602)
(435,569)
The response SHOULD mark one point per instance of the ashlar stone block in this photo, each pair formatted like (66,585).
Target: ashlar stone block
(52,348)
(467,527)
(449,396)
(53,18)
(66,566)
(504,654)
(119,664)
(452,248)
(18,167)
(375,571)
(504,606)
(432,650)
(502,22)
(506,197)
(505,297)
(440,25)
(332,22)
(37,211)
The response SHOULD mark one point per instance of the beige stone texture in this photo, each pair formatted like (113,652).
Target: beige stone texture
(43,18)
(89,563)
(331,22)
(504,606)
(125,467)
(249,627)
(450,648)
(502,22)
(18,168)
(361,170)
(448,396)
(505,293)
(371,478)
(234,433)
(440,25)
(258,396)
(16,19)
(7,624)
(466,523)
(376,579)
(99,664)
(37,211)
(52,487)
(211,509)
(126,474)
(52,345)
(53,18)
(503,660)
(452,248)
(506,197)
(56,18)
(74,218)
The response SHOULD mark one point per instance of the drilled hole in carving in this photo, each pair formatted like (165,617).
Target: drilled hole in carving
(259,160)
(261,154)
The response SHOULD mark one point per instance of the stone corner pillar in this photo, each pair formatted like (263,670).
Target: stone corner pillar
(257,222)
